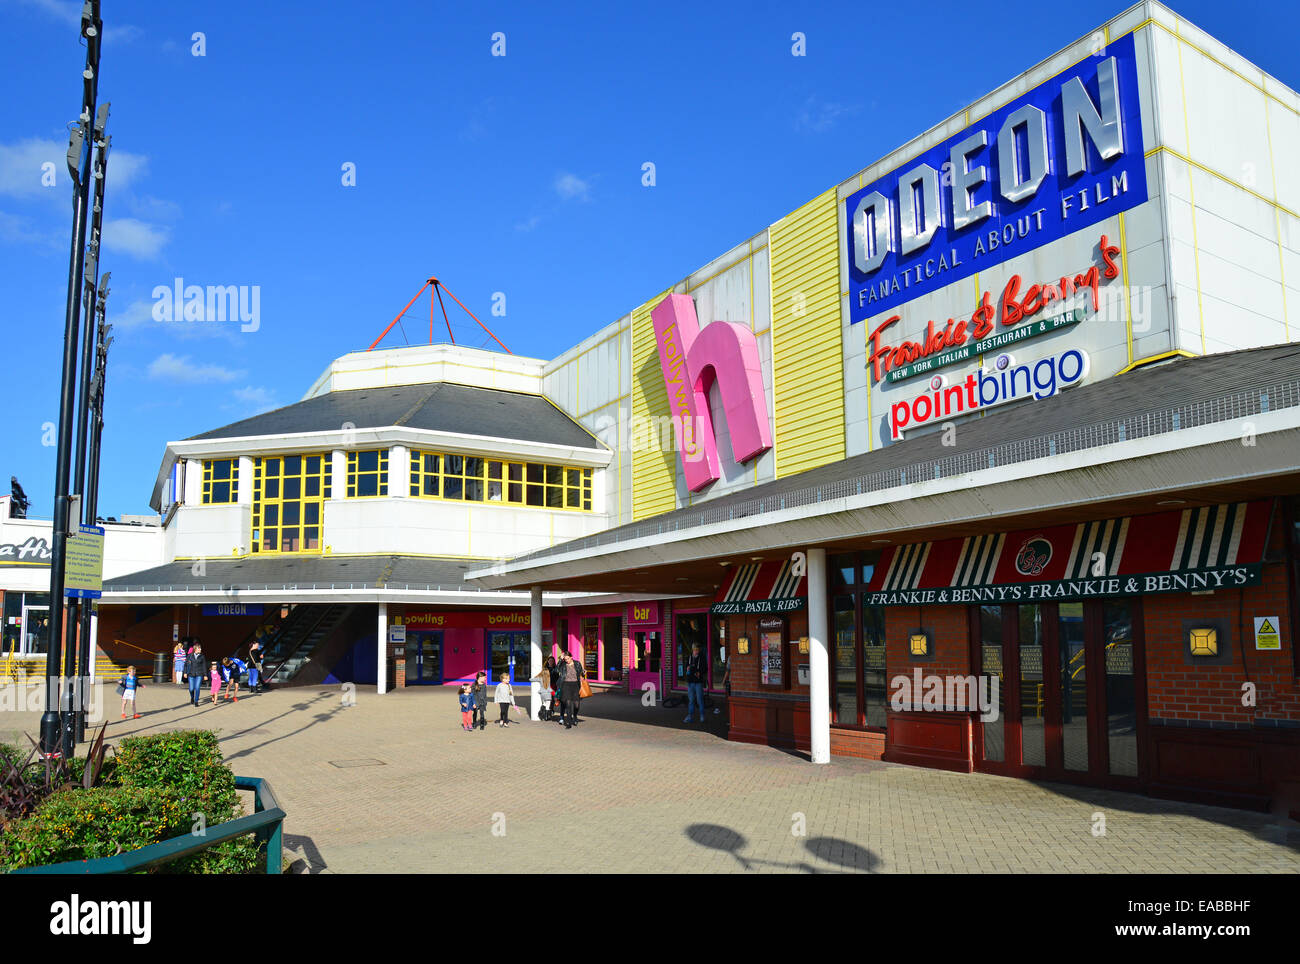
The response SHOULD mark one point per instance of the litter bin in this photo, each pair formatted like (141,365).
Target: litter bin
(160,673)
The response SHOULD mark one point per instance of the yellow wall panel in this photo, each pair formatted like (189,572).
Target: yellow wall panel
(807,358)
(654,469)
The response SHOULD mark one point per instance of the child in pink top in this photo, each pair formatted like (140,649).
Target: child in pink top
(216,681)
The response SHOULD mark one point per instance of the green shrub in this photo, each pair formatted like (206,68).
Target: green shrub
(78,824)
(187,762)
(152,791)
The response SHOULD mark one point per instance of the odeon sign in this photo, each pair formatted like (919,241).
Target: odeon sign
(1066,155)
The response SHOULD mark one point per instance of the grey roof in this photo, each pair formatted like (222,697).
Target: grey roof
(440,407)
(375,572)
(1222,386)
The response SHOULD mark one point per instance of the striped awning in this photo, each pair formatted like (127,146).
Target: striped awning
(1206,548)
(761,587)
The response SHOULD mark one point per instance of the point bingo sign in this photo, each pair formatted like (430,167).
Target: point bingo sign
(486,619)
(1066,155)
(1000,382)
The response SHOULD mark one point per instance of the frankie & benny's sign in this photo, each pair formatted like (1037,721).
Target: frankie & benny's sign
(1066,155)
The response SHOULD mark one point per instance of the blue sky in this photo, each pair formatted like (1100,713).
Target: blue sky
(519,174)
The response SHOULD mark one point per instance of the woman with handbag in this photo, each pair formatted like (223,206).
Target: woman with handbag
(571,677)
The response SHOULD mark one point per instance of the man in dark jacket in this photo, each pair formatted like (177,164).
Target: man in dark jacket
(196,671)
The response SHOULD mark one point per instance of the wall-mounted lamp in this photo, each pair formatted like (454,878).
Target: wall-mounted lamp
(918,644)
(803,645)
(1203,641)
(742,645)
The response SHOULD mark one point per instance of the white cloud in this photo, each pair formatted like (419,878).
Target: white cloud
(571,187)
(124,168)
(20,230)
(69,11)
(179,368)
(137,313)
(819,116)
(257,399)
(21,172)
(138,239)
(529,224)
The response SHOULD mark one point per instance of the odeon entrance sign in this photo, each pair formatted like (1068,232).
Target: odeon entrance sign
(1059,158)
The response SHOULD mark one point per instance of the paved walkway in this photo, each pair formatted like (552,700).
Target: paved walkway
(393,784)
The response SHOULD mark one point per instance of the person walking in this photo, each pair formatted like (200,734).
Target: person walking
(255,666)
(218,674)
(178,661)
(571,674)
(466,708)
(232,667)
(128,687)
(697,671)
(545,694)
(479,689)
(505,699)
(196,671)
(553,669)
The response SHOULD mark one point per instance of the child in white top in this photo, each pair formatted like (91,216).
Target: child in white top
(504,698)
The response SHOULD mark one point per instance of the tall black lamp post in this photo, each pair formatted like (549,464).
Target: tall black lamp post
(92,29)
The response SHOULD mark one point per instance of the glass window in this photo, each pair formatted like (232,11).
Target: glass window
(875,693)
(719,653)
(844,708)
(287,497)
(367,474)
(220,481)
(1121,689)
(611,649)
(479,479)
(1032,695)
(690,632)
(1074,686)
(991,666)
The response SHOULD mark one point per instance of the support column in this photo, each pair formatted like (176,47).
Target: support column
(819,691)
(382,650)
(535,651)
(244,488)
(399,472)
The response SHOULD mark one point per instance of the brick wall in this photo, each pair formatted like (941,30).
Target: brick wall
(1213,694)
(949,628)
(745,670)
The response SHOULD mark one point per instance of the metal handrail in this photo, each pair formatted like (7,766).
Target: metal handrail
(266,820)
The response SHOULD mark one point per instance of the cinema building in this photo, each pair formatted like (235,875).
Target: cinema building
(985,459)
(1018,403)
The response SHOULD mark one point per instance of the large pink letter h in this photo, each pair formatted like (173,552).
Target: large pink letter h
(691,360)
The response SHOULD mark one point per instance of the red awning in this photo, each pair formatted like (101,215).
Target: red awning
(762,587)
(1211,547)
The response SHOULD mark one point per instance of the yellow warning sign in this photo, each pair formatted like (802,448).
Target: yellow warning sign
(1266,633)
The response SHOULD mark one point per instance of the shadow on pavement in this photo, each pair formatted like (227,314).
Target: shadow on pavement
(620,707)
(309,860)
(832,850)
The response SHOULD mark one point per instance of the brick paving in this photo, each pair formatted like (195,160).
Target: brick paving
(392,784)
